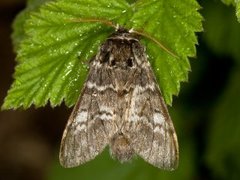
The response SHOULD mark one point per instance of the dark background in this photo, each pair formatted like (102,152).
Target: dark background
(206,114)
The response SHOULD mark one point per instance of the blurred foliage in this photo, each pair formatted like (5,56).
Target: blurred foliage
(223,146)
(222,30)
(235,3)
(223,37)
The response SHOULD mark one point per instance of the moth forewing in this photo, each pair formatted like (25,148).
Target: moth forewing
(121,106)
(85,134)
(148,124)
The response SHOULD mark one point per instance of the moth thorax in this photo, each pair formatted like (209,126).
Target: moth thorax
(120,148)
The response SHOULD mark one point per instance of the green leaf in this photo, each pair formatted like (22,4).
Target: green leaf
(222,29)
(174,24)
(54,53)
(235,3)
(18,24)
(228,2)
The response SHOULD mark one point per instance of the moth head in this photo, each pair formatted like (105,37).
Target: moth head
(122,33)
(118,50)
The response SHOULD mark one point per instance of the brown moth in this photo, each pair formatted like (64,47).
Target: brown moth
(120,106)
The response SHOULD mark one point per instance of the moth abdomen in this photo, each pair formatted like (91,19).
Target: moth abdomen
(120,148)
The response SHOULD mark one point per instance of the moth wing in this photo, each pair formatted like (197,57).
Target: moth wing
(148,126)
(91,123)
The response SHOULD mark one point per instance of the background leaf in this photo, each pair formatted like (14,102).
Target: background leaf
(52,57)
(18,25)
(216,38)
(238,9)
(223,145)
(235,3)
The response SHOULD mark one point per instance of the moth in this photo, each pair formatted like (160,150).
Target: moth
(120,106)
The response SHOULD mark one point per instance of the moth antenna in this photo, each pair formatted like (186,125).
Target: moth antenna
(154,40)
(116,27)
